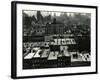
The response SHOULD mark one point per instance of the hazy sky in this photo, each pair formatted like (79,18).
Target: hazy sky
(45,13)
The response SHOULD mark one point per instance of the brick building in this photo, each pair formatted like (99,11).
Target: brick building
(54,28)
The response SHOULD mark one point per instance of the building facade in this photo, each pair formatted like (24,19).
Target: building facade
(54,28)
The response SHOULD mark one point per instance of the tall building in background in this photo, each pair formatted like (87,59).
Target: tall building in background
(39,17)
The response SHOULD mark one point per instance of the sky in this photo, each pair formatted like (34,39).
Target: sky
(45,13)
